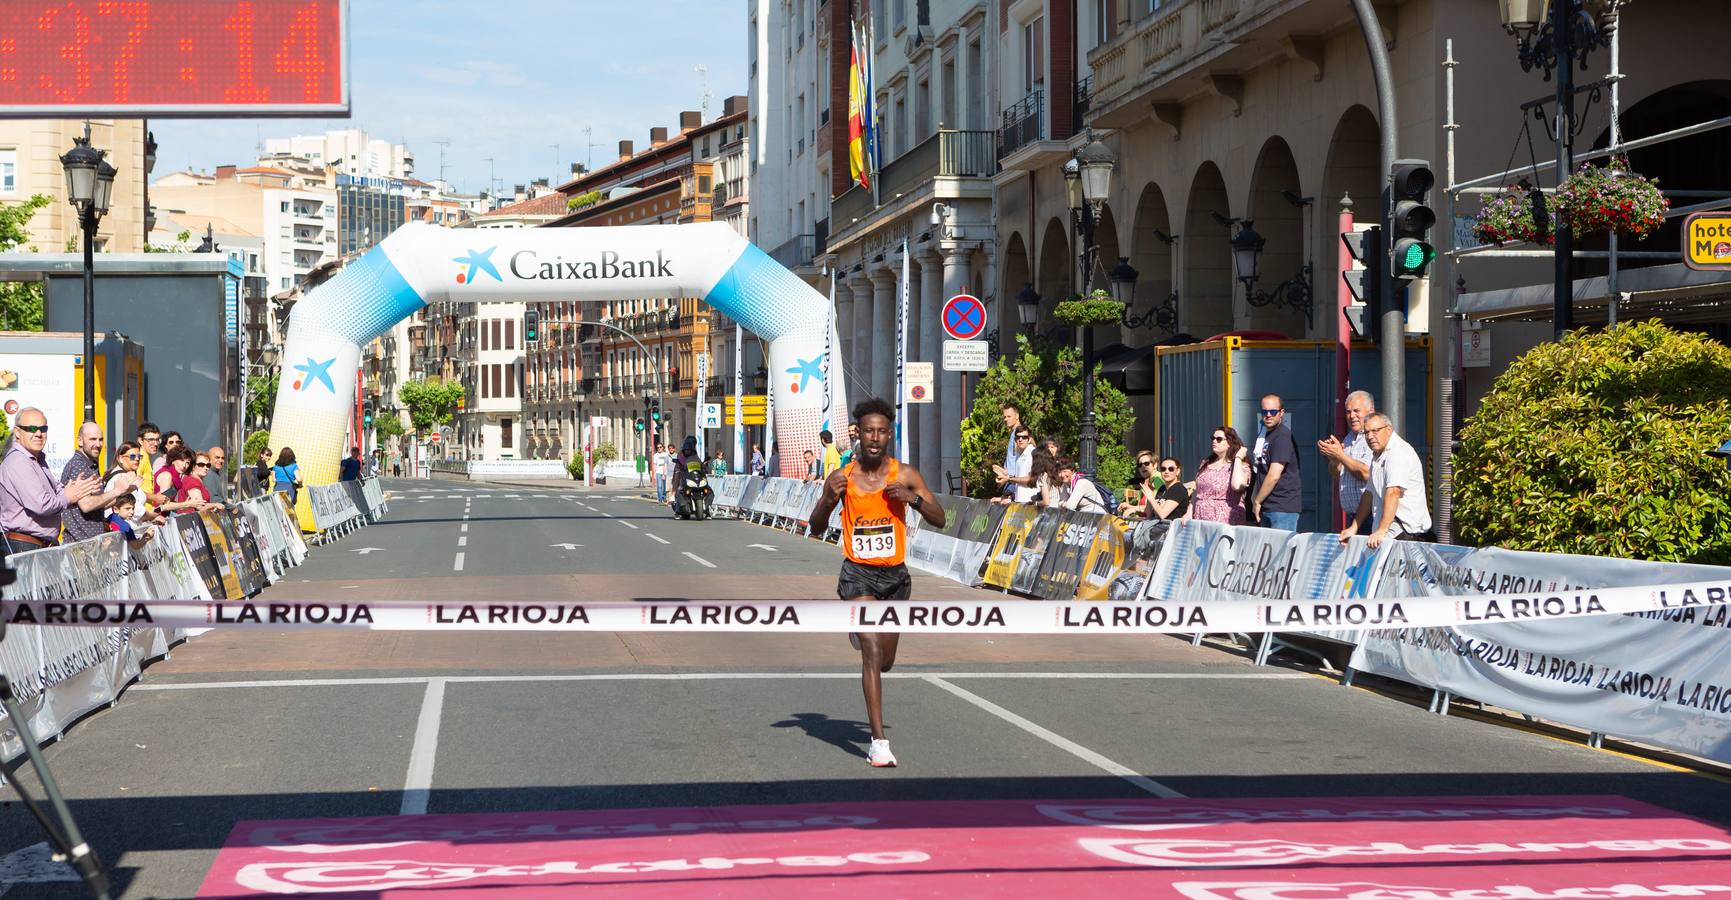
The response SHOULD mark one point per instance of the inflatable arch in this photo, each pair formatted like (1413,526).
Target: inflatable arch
(421,264)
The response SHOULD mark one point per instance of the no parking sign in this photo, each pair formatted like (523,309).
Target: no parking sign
(964,317)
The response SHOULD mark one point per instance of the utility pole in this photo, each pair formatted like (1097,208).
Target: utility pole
(443,143)
(555,165)
(1563,291)
(1392,332)
(589,135)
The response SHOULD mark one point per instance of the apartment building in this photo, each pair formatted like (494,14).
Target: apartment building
(30,151)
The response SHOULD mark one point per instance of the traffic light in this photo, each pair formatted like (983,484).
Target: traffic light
(367,414)
(1367,250)
(531,325)
(640,425)
(1410,219)
(653,407)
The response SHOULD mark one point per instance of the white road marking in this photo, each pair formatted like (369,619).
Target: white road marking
(419,783)
(608,515)
(459,565)
(465,528)
(627,524)
(656,538)
(710,676)
(699,560)
(1059,741)
(461,542)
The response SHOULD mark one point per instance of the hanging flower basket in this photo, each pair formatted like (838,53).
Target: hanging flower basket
(1097,308)
(1507,218)
(1611,198)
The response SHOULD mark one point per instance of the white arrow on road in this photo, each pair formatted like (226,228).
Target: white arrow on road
(33,865)
(566,546)
(364,550)
(764,547)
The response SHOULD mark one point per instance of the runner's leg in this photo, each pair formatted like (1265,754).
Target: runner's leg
(871,651)
(887,643)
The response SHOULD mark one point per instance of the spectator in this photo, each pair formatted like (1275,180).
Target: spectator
(1017,476)
(126,459)
(718,464)
(661,463)
(1350,460)
(1053,446)
(31,502)
(350,468)
(119,516)
(1170,500)
(831,453)
(774,470)
(370,470)
(172,480)
(150,457)
(261,467)
(1042,486)
(1015,463)
(1221,480)
(1278,500)
(170,441)
(852,443)
(811,467)
(216,477)
(756,460)
(192,489)
(86,518)
(1077,492)
(286,474)
(1394,498)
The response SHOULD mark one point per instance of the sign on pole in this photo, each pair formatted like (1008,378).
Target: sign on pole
(966,356)
(919,382)
(711,416)
(964,317)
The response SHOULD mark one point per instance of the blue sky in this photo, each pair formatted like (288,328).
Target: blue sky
(506,87)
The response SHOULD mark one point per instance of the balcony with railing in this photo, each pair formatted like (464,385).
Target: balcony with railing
(947,154)
(797,253)
(1021,123)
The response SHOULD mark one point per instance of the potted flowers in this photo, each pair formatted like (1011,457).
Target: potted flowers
(1607,198)
(1508,217)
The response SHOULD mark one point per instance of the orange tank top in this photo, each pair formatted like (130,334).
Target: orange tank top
(874,530)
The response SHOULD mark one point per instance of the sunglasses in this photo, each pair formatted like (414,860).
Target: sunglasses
(201,465)
(33,429)
(1272,412)
(1144,462)
(1168,468)
(1219,438)
(129,456)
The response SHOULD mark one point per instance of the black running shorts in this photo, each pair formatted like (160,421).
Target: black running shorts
(881,582)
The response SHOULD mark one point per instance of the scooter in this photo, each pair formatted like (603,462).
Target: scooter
(693,498)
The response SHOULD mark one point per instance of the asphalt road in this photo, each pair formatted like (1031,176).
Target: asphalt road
(260,725)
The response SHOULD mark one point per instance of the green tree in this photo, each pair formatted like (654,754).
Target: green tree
(387,425)
(1044,380)
(431,401)
(255,442)
(261,398)
(20,302)
(1597,444)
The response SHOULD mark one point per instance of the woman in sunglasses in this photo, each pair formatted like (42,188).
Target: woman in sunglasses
(127,456)
(1222,479)
(1169,500)
(192,489)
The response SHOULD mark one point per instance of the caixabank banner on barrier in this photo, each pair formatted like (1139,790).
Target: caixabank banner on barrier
(1663,677)
(1212,561)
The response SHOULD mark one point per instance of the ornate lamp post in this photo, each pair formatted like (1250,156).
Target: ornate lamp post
(89,183)
(1088,181)
(1295,292)
(1555,35)
(1028,307)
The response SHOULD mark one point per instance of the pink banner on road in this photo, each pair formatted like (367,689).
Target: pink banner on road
(1411,848)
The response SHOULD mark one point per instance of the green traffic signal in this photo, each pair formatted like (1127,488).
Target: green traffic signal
(639,424)
(1412,257)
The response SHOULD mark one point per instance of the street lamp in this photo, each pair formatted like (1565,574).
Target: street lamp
(1087,182)
(1123,280)
(1295,292)
(89,184)
(1555,35)
(1028,306)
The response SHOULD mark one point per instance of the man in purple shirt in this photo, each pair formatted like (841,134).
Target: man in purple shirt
(31,501)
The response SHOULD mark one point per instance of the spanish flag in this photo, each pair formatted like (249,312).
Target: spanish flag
(861,120)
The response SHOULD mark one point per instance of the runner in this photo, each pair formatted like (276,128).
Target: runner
(875,493)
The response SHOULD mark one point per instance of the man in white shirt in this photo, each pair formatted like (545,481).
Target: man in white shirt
(1014,476)
(1395,498)
(1350,459)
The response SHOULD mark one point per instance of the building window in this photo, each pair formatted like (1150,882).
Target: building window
(496,333)
(483,330)
(511,376)
(504,434)
(8,171)
(498,380)
(510,334)
(1033,55)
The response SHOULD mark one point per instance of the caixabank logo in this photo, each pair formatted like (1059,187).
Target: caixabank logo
(477,262)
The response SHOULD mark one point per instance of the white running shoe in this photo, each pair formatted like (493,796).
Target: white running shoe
(853,638)
(880,756)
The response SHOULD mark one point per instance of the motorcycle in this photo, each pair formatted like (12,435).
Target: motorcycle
(692,496)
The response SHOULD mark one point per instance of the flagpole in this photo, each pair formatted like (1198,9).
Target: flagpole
(902,361)
(738,402)
(830,369)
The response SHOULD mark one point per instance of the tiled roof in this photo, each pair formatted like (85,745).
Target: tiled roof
(545,205)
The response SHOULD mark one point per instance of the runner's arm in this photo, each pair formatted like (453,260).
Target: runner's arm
(911,485)
(833,487)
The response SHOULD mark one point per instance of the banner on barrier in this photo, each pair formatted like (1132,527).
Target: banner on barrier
(1000,566)
(1122,558)
(222,553)
(1060,570)
(331,505)
(373,496)
(1663,678)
